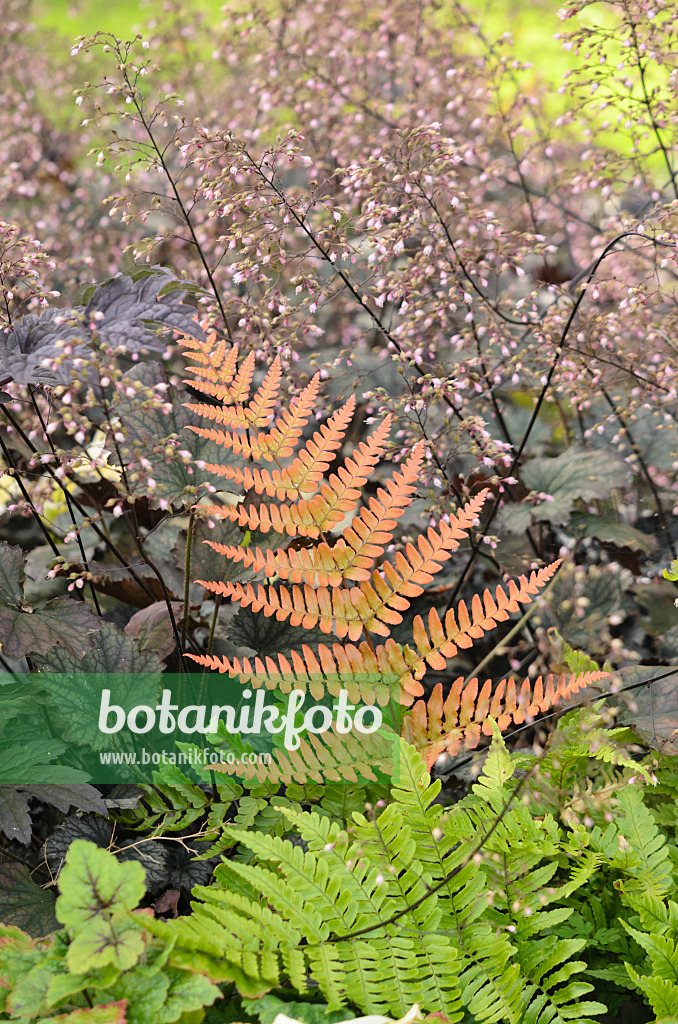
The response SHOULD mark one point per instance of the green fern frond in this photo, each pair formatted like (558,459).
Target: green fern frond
(393,909)
(552,996)
(658,936)
(643,853)
(672,572)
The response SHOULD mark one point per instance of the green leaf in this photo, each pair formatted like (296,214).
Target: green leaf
(27,998)
(64,986)
(29,762)
(23,903)
(268,1007)
(573,474)
(577,661)
(620,534)
(672,572)
(187,992)
(577,473)
(105,1013)
(145,990)
(18,699)
(93,883)
(27,629)
(96,893)
(76,685)
(497,770)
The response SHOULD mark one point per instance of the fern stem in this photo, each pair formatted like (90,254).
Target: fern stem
(213,624)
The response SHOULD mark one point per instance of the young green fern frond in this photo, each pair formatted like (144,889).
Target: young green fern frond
(335,758)
(656,932)
(394,909)
(645,856)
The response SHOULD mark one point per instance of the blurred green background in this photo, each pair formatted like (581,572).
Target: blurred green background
(532,24)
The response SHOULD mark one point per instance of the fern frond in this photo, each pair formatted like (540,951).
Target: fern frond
(233,413)
(659,940)
(252,447)
(260,410)
(337,497)
(551,997)
(362,671)
(302,476)
(323,758)
(279,442)
(371,606)
(214,361)
(322,911)
(645,860)
(313,897)
(458,721)
(491,984)
(226,380)
(672,572)
(237,393)
(283,438)
(444,640)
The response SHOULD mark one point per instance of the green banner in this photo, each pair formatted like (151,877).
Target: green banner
(126,728)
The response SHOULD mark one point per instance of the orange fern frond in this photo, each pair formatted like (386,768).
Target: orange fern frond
(318,565)
(283,438)
(238,392)
(214,362)
(458,721)
(233,413)
(351,555)
(366,673)
(302,476)
(442,640)
(251,447)
(336,584)
(260,410)
(344,486)
(349,613)
(371,606)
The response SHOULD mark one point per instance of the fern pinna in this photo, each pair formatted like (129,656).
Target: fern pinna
(342,585)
